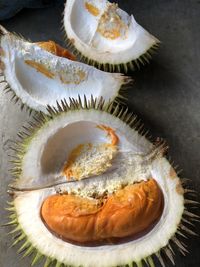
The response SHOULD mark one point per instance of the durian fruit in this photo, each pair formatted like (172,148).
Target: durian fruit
(105,36)
(35,75)
(74,209)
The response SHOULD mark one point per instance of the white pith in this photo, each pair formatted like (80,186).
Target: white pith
(28,204)
(37,90)
(81,29)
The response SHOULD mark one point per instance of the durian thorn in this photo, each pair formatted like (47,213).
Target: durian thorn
(117,110)
(28,252)
(195,220)
(25,245)
(181,234)
(187,230)
(132,122)
(63,105)
(12,216)
(19,239)
(11,209)
(145,59)
(139,264)
(178,170)
(124,114)
(10,223)
(171,249)
(37,258)
(110,106)
(189,191)
(3,31)
(121,98)
(120,113)
(179,244)
(22,106)
(16,241)
(190,214)
(158,150)
(59,107)
(137,64)
(129,117)
(186,221)
(47,262)
(15,230)
(50,110)
(10,203)
(150,261)
(169,255)
(158,255)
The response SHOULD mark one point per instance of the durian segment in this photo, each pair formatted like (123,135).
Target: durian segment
(28,205)
(126,213)
(136,163)
(99,157)
(106,35)
(56,49)
(40,78)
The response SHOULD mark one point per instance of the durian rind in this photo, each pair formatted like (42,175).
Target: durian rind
(29,249)
(61,78)
(131,253)
(107,60)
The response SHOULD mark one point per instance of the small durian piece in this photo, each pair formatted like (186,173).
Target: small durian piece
(99,157)
(105,36)
(40,78)
(122,217)
(56,49)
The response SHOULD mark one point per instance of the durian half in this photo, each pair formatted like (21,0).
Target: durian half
(105,36)
(35,75)
(92,191)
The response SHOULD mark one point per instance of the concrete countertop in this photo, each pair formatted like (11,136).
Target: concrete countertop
(165,96)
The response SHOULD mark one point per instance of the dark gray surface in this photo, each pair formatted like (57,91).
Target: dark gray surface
(165,96)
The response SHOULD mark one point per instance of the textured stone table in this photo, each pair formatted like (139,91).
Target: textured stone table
(165,96)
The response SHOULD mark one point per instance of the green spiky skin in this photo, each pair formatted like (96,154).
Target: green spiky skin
(184,228)
(123,67)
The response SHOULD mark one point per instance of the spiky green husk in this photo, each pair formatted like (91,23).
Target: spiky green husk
(123,67)
(184,228)
(165,255)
